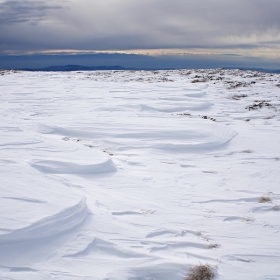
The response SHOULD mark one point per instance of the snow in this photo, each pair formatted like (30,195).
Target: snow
(139,175)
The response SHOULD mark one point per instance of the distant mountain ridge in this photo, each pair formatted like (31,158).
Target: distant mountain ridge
(68,68)
(255,69)
(77,68)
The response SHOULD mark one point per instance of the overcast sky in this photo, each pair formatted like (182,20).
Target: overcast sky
(232,27)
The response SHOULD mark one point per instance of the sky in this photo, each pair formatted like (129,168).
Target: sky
(155,33)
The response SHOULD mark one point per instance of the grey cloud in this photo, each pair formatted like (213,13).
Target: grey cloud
(20,11)
(135,24)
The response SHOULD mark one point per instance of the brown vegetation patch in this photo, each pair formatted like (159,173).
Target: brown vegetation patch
(259,104)
(208,118)
(214,245)
(239,96)
(202,272)
(264,199)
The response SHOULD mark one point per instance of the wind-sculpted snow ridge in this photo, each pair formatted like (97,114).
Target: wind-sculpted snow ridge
(52,226)
(193,107)
(191,140)
(213,139)
(58,167)
(139,175)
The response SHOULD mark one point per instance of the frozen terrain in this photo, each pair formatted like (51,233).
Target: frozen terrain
(122,175)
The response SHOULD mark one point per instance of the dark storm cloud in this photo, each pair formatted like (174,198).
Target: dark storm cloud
(138,24)
(20,11)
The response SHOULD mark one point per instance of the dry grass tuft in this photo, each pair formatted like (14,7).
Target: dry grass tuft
(202,272)
(214,245)
(248,219)
(264,199)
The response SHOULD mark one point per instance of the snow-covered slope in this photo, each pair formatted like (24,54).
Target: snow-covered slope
(124,175)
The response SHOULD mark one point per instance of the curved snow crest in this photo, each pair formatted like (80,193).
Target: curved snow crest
(211,140)
(195,94)
(195,106)
(102,247)
(60,167)
(66,220)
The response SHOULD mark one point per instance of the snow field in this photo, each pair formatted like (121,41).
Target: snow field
(139,175)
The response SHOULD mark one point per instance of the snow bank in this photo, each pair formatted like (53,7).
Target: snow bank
(127,175)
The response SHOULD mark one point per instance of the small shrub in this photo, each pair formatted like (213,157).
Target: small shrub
(202,272)
(248,219)
(247,151)
(209,118)
(264,199)
(214,245)
(239,96)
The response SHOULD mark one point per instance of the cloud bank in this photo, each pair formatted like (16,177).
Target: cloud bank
(39,25)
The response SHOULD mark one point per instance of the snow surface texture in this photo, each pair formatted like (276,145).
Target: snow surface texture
(123,175)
